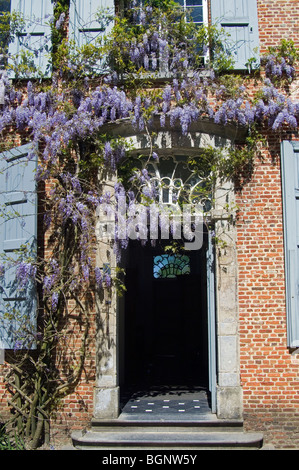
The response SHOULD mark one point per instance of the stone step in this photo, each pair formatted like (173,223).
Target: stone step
(165,439)
(155,425)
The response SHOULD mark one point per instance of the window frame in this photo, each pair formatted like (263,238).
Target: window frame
(205,14)
(162,72)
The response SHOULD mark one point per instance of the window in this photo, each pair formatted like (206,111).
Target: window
(4,5)
(4,35)
(175,178)
(165,58)
(171,266)
(238,19)
(197,9)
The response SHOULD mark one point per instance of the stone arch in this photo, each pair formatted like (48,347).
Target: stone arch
(229,392)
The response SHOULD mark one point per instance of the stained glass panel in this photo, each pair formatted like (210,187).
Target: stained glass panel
(171,266)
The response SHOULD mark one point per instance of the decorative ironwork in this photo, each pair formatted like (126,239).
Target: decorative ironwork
(174,179)
(171,266)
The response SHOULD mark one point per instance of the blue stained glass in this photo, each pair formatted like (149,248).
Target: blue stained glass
(171,266)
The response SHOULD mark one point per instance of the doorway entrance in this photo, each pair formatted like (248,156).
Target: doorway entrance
(165,331)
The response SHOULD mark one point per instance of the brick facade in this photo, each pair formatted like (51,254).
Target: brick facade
(269,370)
(277,20)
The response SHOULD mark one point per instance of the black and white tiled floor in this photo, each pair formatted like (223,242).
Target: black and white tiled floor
(168,405)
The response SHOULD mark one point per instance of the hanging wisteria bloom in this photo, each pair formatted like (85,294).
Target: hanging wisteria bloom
(25,272)
(54,301)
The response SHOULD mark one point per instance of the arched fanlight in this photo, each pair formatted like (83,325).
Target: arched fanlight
(173,179)
(170,266)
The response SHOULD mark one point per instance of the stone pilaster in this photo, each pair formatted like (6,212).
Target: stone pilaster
(229,391)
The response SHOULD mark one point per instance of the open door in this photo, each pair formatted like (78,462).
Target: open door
(211,322)
(165,322)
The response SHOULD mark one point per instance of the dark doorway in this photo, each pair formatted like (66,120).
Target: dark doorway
(165,325)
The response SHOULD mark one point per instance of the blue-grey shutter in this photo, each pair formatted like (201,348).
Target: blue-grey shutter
(35,37)
(84,25)
(290,188)
(238,18)
(18,238)
(211,322)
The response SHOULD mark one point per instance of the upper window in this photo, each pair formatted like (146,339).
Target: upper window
(165,51)
(4,34)
(197,9)
(152,52)
(4,6)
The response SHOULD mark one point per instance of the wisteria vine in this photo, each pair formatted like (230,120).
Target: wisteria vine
(69,124)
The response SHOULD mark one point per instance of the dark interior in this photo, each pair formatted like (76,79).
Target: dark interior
(164,334)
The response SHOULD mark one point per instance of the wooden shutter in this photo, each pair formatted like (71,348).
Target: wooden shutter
(211,322)
(238,18)
(18,209)
(35,37)
(84,26)
(290,188)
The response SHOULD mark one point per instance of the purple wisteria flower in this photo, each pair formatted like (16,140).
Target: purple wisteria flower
(277,67)
(98,276)
(108,280)
(54,301)
(48,283)
(25,272)
(85,271)
(18,345)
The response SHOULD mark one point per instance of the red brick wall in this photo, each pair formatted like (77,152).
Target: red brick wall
(278,19)
(269,370)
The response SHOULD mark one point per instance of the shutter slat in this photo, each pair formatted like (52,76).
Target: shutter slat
(84,27)
(239,19)
(18,204)
(15,198)
(290,177)
(36,32)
